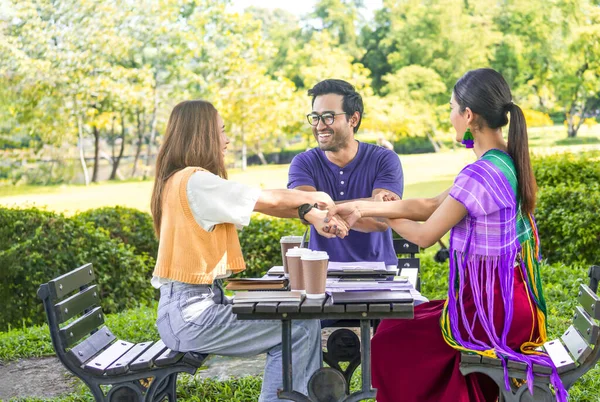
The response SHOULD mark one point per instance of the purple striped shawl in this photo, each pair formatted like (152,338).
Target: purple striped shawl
(485,244)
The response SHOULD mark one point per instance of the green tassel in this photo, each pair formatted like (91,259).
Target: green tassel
(468,139)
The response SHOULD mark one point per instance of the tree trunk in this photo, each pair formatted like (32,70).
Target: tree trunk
(96,153)
(140,140)
(434,143)
(244,150)
(117,160)
(261,156)
(86,175)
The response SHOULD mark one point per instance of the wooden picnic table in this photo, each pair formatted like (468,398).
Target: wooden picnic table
(326,383)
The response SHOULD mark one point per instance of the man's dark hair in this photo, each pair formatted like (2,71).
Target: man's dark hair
(352,101)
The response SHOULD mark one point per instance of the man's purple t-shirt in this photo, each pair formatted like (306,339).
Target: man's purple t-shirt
(373,167)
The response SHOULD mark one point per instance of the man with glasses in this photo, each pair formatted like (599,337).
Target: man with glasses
(347,169)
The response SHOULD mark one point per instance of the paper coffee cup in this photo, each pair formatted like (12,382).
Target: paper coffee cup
(314,267)
(288,242)
(294,264)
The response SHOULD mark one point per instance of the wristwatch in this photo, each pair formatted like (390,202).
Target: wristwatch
(303,210)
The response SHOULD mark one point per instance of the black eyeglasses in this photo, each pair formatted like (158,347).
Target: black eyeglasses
(327,118)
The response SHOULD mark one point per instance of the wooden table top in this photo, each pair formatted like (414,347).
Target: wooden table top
(322,309)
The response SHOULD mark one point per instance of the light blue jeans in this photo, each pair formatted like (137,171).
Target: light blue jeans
(194,318)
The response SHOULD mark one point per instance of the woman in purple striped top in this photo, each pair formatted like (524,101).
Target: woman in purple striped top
(495,305)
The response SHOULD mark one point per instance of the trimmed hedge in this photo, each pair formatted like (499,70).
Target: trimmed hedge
(36,246)
(130,225)
(260,243)
(567,168)
(567,208)
(568,220)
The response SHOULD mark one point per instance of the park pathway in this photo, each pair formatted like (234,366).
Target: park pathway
(46,377)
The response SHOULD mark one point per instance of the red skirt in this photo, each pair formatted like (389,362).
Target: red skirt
(411,362)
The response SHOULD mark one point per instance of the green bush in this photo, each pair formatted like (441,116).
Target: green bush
(36,246)
(569,223)
(567,168)
(130,225)
(413,145)
(260,243)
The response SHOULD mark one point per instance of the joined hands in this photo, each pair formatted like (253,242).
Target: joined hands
(337,220)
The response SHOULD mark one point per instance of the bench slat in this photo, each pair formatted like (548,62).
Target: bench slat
(312,305)
(288,307)
(329,307)
(470,358)
(586,325)
(403,307)
(490,361)
(65,284)
(77,303)
(168,357)
(79,328)
(559,355)
(380,307)
(85,350)
(194,359)
(590,301)
(108,357)
(146,359)
(266,307)
(243,308)
(576,344)
(357,308)
(122,364)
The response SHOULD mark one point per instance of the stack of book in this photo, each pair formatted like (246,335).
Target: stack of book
(270,296)
(257,284)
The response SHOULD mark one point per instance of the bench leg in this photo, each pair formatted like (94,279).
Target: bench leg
(164,386)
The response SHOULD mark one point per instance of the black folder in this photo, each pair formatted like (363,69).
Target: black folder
(371,296)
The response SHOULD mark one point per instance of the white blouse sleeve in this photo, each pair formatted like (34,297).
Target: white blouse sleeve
(214,200)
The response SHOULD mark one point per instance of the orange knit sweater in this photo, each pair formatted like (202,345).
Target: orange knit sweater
(186,252)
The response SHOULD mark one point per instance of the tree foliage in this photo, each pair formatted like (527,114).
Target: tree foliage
(103,75)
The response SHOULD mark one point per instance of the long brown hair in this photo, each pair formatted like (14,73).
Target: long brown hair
(487,94)
(192,138)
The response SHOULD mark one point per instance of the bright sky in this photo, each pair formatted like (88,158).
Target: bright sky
(298,8)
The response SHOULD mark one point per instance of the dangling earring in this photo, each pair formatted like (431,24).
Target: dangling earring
(468,139)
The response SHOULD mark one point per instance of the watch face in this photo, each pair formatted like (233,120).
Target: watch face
(303,210)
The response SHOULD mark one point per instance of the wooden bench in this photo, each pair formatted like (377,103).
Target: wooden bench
(574,354)
(408,263)
(114,370)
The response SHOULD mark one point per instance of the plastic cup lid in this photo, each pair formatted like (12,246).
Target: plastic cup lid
(291,239)
(315,255)
(296,252)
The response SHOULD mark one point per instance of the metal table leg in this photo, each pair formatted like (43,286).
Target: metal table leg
(366,391)
(286,365)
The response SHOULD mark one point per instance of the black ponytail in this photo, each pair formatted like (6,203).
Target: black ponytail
(518,149)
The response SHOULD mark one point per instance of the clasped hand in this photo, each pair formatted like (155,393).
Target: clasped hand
(346,214)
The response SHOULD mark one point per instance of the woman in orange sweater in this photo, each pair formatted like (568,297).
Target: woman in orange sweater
(196,211)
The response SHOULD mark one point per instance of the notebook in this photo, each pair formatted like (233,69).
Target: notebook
(257,284)
(371,296)
(268,296)
(358,268)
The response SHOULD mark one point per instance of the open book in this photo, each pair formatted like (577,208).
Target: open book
(257,284)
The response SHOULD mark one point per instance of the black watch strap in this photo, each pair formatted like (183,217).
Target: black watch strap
(303,210)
